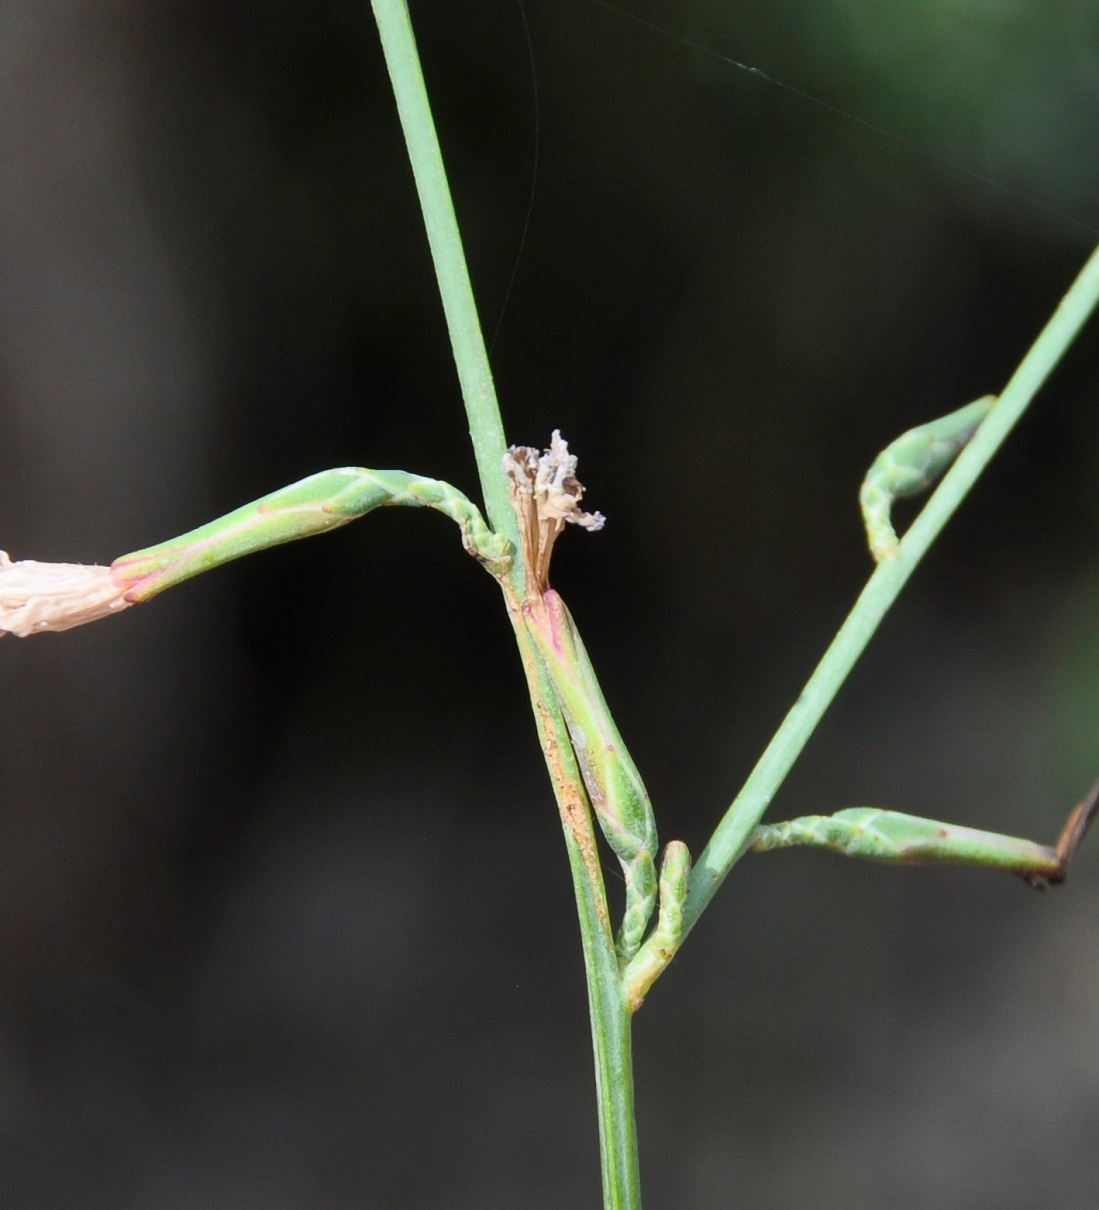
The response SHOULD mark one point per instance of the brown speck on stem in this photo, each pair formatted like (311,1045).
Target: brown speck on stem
(568,785)
(546,495)
(573,808)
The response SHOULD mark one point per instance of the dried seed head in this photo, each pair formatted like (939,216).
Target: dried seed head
(35,597)
(546,495)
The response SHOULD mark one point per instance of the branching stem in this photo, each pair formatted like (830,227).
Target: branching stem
(733,833)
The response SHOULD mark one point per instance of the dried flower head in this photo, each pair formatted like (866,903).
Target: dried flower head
(35,597)
(546,495)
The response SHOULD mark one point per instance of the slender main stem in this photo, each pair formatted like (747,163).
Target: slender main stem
(486,428)
(609,1011)
(732,834)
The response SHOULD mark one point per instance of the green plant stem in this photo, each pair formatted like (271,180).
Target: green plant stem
(732,834)
(612,1022)
(608,1006)
(609,1011)
(486,428)
(611,1026)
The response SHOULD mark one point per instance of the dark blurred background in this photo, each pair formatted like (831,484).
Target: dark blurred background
(285,919)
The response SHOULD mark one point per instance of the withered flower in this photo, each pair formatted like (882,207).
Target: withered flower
(36,597)
(546,495)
